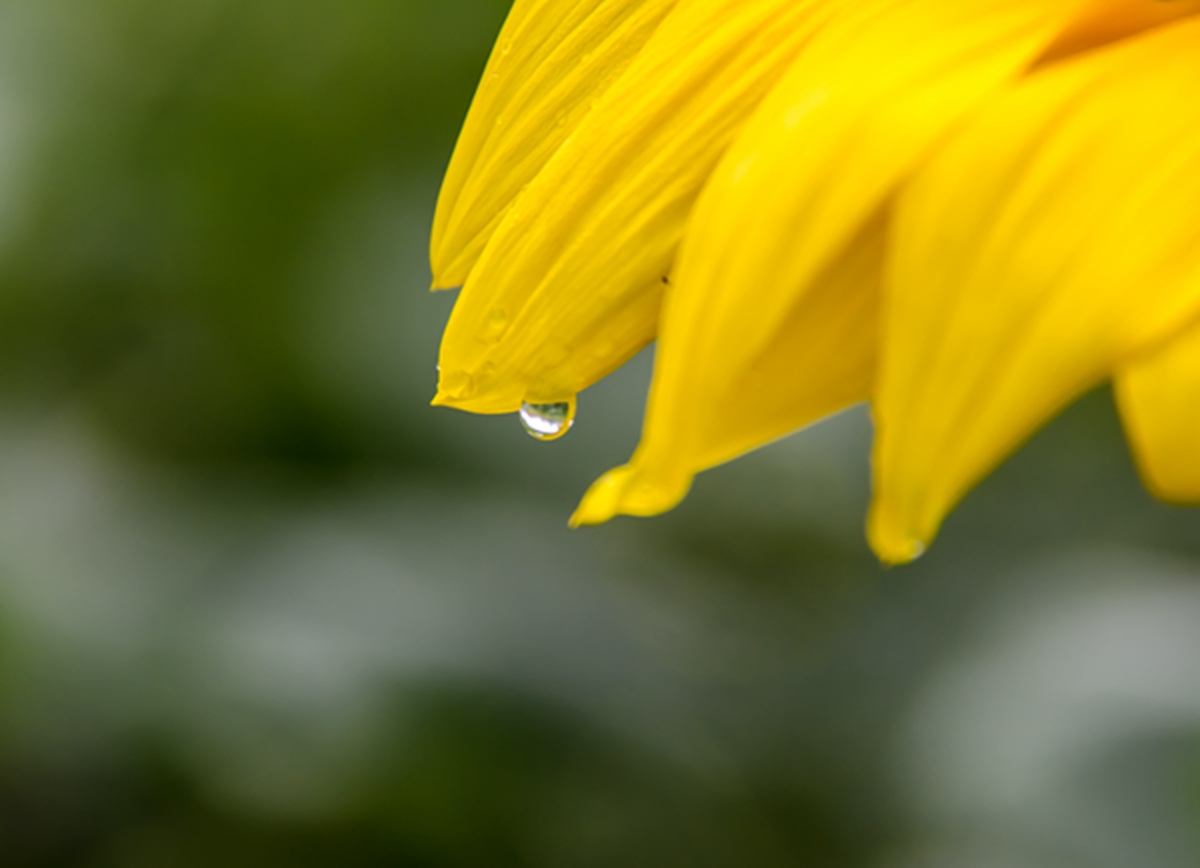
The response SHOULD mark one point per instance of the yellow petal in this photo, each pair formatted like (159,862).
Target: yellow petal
(867,99)
(1105,21)
(1159,398)
(570,284)
(831,333)
(552,60)
(1051,240)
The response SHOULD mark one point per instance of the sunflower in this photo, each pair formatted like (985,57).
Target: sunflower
(966,213)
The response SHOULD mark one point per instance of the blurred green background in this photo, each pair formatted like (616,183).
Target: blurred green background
(261,606)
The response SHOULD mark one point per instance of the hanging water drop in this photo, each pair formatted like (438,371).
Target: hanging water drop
(548,421)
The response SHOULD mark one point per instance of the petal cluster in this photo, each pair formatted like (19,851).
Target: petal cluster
(964,213)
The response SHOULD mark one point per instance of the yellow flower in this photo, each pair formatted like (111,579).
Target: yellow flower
(967,213)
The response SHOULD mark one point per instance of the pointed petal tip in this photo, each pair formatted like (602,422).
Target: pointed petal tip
(602,500)
(441,284)
(1159,399)
(627,490)
(445,272)
(893,543)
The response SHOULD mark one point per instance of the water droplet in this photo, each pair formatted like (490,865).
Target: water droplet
(457,384)
(497,323)
(548,421)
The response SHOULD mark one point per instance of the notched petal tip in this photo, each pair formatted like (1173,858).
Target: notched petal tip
(627,490)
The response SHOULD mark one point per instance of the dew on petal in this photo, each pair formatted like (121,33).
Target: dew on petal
(457,383)
(548,421)
(497,324)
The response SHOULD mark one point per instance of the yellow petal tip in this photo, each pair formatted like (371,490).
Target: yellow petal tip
(891,541)
(602,500)
(626,490)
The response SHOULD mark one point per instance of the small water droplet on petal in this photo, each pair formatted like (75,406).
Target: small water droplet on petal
(548,421)
(497,324)
(457,384)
